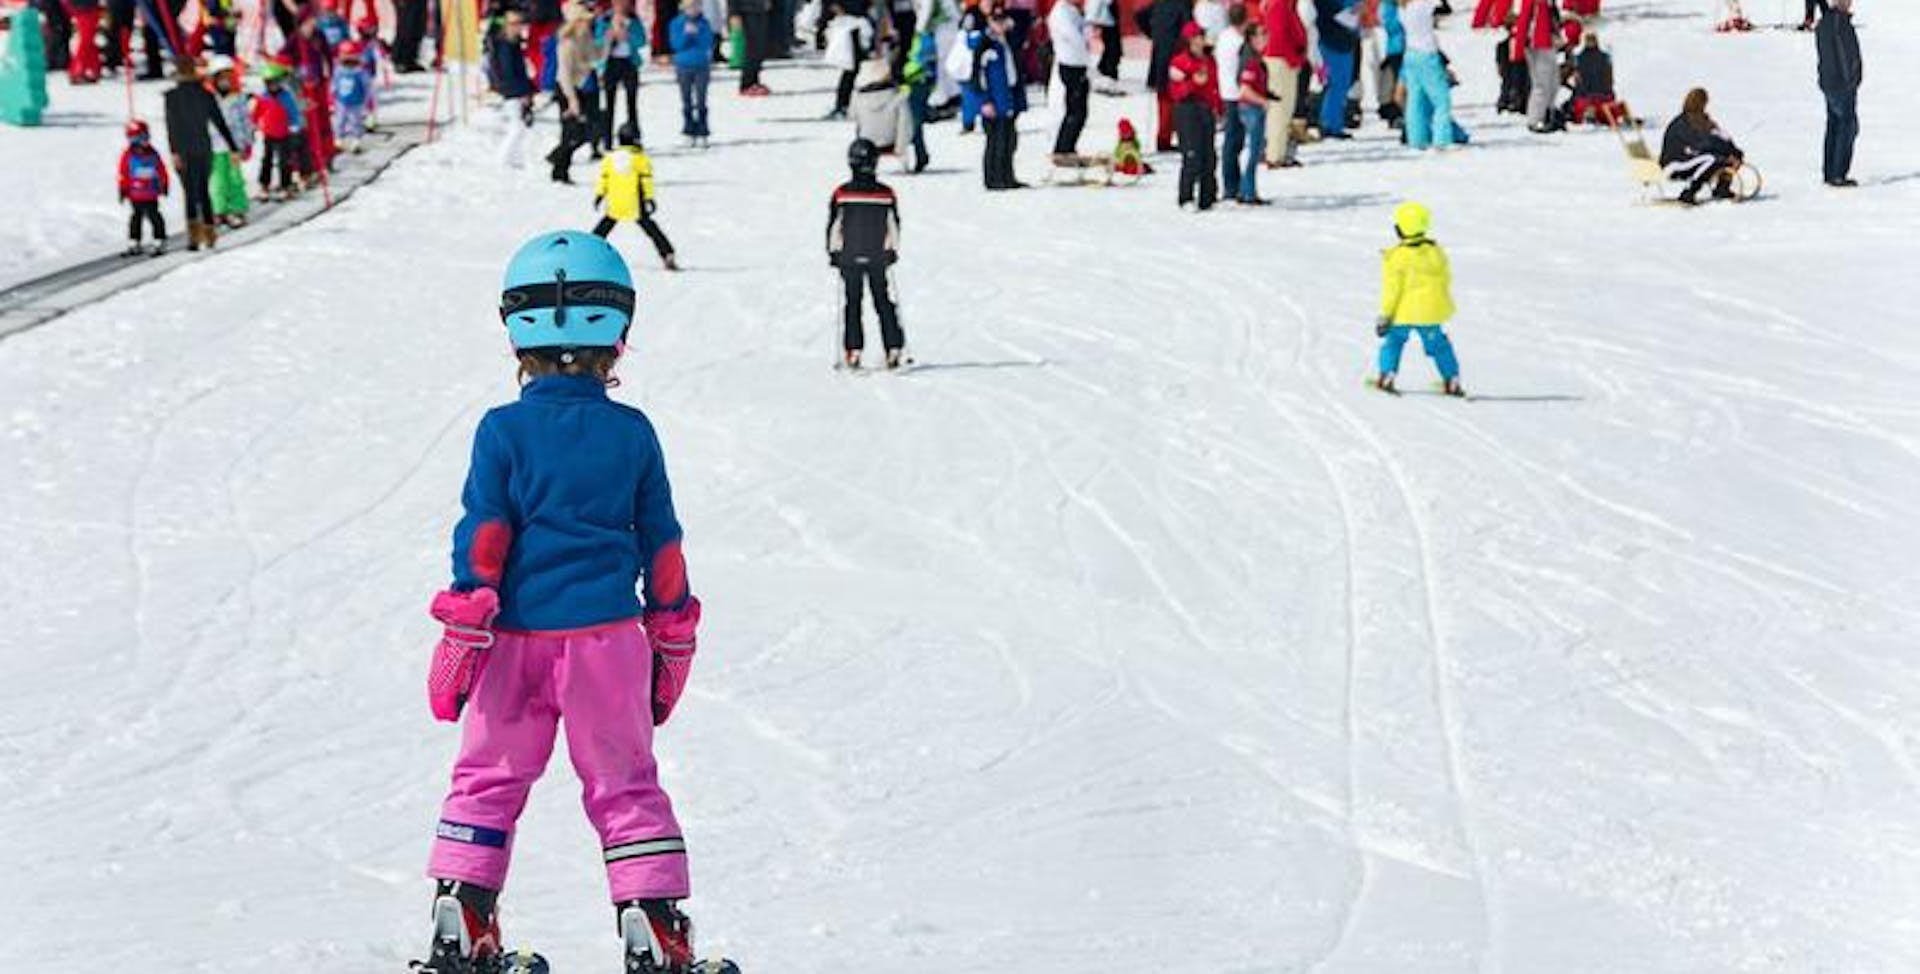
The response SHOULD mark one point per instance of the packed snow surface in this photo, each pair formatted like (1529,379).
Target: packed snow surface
(1129,634)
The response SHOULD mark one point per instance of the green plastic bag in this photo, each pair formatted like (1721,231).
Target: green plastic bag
(23,71)
(736,45)
(228,187)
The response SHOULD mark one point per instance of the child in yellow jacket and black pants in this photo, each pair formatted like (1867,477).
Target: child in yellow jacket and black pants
(624,191)
(1416,295)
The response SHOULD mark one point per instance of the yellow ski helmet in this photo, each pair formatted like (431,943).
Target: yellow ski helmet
(1412,220)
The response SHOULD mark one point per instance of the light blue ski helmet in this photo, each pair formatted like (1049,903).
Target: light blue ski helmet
(567,289)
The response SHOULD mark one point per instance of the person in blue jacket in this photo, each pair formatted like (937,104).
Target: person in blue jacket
(569,607)
(691,37)
(1339,24)
(995,87)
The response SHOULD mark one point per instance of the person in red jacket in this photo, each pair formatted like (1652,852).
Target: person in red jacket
(1536,40)
(1195,93)
(1285,55)
(143,180)
(273,119)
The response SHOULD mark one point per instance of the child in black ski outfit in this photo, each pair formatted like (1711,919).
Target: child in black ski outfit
(863,241)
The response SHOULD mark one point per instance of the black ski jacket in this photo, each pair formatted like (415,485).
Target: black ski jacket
(1163,22)
(1839,47)
(190,109)
(863,223)
(1684,140)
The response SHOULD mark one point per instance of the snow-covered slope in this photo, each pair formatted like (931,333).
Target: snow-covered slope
(1132,635)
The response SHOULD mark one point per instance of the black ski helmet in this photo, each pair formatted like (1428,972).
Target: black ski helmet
(630,135)
(863,157)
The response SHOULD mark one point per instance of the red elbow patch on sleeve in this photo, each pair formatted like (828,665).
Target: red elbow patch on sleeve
(667,578)
(488,554)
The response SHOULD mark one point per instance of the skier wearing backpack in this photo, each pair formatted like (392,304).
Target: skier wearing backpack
(1416,295)
(863,242)
(566,510)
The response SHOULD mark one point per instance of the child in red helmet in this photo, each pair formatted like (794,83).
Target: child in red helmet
(143,180)
(1127,157)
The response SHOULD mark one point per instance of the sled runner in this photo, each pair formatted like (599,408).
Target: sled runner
(1066,169)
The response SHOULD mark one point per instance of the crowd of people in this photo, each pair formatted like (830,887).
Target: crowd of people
(314,97)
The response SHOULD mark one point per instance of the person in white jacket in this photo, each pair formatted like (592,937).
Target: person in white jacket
(1226,73)
(849,38)
(1067,26)
(942,19)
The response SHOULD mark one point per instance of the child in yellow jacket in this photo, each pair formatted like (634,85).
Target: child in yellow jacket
(1416,295)
(624,191)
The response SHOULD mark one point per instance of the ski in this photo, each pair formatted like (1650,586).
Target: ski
(530,962)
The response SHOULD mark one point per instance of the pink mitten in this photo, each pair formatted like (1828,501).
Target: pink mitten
(462,651)
(672,635)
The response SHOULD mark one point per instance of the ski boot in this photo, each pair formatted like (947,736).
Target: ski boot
(850,359)
(671,264)
(658,937)
(896,357)
(466,931)
(1452,387)
(1384,383)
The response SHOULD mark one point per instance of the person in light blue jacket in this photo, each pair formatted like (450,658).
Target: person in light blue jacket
(691,36)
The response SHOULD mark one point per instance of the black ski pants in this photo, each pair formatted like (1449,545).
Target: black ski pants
(148,212)
(1109,66)
(661,244)
(757,27)
(1002,140)
(408,32)
(620,76)
(276,154)
(858,278)
(196,174)
(1199,162)
(1074,79)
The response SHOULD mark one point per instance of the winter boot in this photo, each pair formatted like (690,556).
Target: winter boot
(209,234)
(850,358)
(193,235)
(466,931)
(672,265)
(133,249)
(658,937)
(897,357)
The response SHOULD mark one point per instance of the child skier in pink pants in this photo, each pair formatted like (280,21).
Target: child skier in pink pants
(567,508)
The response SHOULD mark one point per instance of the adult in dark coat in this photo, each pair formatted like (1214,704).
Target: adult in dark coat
(1841,72)
(409,29)
(191,111)
(1163,22)
(756,23)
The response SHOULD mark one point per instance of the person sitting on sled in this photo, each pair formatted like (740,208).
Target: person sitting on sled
(1416,295)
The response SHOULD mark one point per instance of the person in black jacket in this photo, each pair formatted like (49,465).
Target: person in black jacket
(1840,75)
(1695,151)
(1162,21)
(409,29)
(754,19)
(863,241)
(191,108)
(507,66)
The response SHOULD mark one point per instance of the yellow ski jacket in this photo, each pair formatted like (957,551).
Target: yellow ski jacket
(626,178)
(1416,285)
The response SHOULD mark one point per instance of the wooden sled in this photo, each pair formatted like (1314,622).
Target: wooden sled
(1644,168)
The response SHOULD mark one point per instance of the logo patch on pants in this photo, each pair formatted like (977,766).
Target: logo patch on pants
(471,834)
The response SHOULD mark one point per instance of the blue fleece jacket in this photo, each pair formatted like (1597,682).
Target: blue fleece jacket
(692,48)
(567,506)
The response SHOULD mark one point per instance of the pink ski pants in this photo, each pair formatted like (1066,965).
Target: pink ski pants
(598,682)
